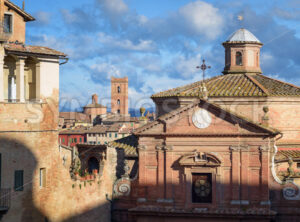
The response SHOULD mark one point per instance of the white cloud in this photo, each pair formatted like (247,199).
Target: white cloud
(187,66)
(105,69)
(125,44)
(201,18)
(42,17)
(114,6)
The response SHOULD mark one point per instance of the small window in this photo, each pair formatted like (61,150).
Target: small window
(19,180)
(119,89)
(298,165)
(80,139)
(7,23)
(72,140)
(42,177)
(109,134)
(75,140)
(238,59)
(118,102)
(116,135)
(63,140)
(119,111)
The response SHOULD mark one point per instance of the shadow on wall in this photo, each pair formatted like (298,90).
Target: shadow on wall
(20,176)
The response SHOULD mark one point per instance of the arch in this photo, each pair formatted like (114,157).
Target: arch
(93,164)
(119,89)
(238,58)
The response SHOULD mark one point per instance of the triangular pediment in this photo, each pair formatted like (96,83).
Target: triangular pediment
(204,119)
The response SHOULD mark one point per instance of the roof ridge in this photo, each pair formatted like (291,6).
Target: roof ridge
(257,84)
(292,85)
(19,10)
(187,85)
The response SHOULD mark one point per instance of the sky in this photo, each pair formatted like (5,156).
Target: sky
(157,43)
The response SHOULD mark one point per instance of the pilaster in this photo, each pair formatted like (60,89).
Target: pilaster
(1,74)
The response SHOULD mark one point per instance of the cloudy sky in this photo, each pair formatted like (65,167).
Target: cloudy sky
(157,43)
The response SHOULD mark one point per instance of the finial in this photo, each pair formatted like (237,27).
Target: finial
(23,5)
(241,19)
(203,67)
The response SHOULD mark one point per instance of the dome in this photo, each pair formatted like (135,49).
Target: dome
(242,35)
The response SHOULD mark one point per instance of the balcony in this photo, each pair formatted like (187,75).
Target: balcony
(5,195)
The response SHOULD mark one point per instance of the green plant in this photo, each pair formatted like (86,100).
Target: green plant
(73,186)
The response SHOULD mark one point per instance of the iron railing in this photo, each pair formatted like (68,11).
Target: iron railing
(5,195)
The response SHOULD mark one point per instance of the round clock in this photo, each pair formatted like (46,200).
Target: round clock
(201,118)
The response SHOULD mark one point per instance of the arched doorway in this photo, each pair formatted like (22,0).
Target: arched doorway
(93,164)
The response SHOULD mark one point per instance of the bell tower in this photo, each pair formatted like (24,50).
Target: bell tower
(242,53)
(119,95)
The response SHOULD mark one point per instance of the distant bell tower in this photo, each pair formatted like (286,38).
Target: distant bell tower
(119,95)
(242,53)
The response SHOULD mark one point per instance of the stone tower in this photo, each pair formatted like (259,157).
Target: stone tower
(119,95)
(242,53)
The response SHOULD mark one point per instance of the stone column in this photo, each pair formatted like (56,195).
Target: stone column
(168,173)
(20,80)
(2,80)
(264,175)
(160,172)
(235,174)
(244,174)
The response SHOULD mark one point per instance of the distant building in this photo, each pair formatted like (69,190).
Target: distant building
(119,96)
(72,137)
(94,109)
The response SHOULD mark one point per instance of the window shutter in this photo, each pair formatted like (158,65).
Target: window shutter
(19,180)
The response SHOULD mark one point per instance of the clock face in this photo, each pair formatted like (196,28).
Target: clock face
(201,118)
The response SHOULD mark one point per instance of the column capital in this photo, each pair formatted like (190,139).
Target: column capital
(264,148)
(242,148)
(141,147)
(159,148)
(168,147)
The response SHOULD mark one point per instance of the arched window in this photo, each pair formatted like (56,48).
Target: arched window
(119,89)
(119,111)
(238,59)
(93,164)
(118,102)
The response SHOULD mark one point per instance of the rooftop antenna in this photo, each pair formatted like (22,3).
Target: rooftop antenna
(23,5)
(203,67)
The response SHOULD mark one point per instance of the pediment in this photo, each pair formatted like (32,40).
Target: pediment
(200,159)
(184,122)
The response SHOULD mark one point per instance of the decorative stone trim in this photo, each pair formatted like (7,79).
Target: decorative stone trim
(159,148)
(268,202)
(239,202)
(141,147)
(161,200)
(242,148)
(141,200)
(168,147)
(264,148)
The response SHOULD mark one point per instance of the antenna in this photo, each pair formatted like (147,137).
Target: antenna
(23,5)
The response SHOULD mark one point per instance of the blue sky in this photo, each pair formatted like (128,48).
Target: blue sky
(157,43)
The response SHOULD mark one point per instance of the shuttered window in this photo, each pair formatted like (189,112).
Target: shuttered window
(19,180)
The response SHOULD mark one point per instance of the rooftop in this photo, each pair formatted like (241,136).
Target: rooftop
(40,50)
(235,85)
(242,35)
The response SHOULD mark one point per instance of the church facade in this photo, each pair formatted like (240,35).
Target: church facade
(222,149)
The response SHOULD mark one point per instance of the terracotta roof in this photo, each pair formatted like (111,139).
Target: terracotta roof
(41,50)
(74,115)
(129,144)
(98,129)
(175,112)
(119,118)
(94,105)
(285,154)
(26,16)
(107,128)
(81,130)
(235,85)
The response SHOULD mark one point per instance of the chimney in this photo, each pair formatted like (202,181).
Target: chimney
(95,99)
